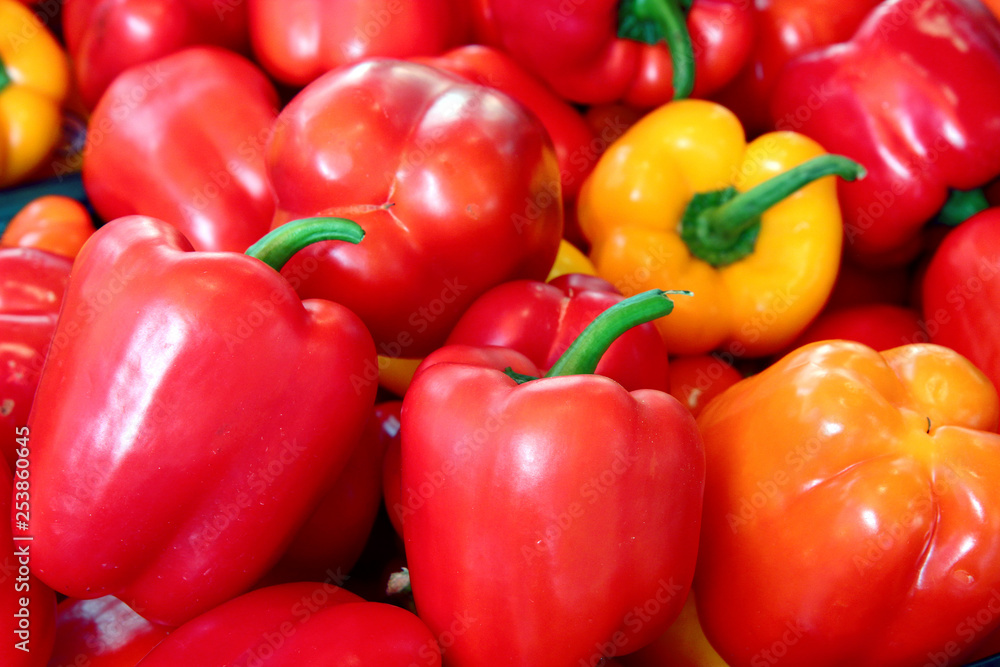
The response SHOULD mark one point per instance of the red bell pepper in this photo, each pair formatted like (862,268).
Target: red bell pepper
(333,538)
(189,412)
(540,320)
(27,606)
(539,508)
(961,292)
(852,510)
(880,326)
(783,29)
(910,96)
(297,42)
(608,51)
(32,283)
(182,139)
(570,134)
(461,194)
(697,379)
(107,37)
(299,624)
(104,632)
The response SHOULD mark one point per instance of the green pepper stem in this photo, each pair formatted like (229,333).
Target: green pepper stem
(962,205)
(652,21)
(583,355)
(721,227)
(731,218)
(277,246)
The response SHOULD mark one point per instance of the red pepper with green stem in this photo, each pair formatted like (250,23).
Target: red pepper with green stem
(555,489)
(189,413)
(107,37)
(540,320)
(610,50)
(910,96)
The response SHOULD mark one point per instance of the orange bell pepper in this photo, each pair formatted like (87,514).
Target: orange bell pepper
(852,510)
(52,222)
(34,83)
(680,201)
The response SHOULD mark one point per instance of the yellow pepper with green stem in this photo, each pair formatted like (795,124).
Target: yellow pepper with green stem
(681,201)
(34,83)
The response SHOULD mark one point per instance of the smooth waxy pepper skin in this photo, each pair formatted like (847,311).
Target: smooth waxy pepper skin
(189,415)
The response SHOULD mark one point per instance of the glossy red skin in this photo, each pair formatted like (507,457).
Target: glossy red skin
(910,98)
(784,29)
(20,592)
(490,468)
(104,632)
(189,413)
(332,539)
(32,283)
(297,41)
(961,292)
(540,320)
(298,624)
(187,148)
(106,37)
(461,195)
(584,60)
(696,380)
(880,326)
(570,134)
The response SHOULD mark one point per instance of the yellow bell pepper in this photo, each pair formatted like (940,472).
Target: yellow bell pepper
(34,83)
(570,259)
(681,201)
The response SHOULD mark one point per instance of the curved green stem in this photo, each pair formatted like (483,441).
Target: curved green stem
(586,351)
(721,227)
(962,205)
(277,246)
(653,21)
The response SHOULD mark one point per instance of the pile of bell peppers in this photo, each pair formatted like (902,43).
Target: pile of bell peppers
(461,333)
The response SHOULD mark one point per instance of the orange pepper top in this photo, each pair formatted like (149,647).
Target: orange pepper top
(669,206)
(34,83)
